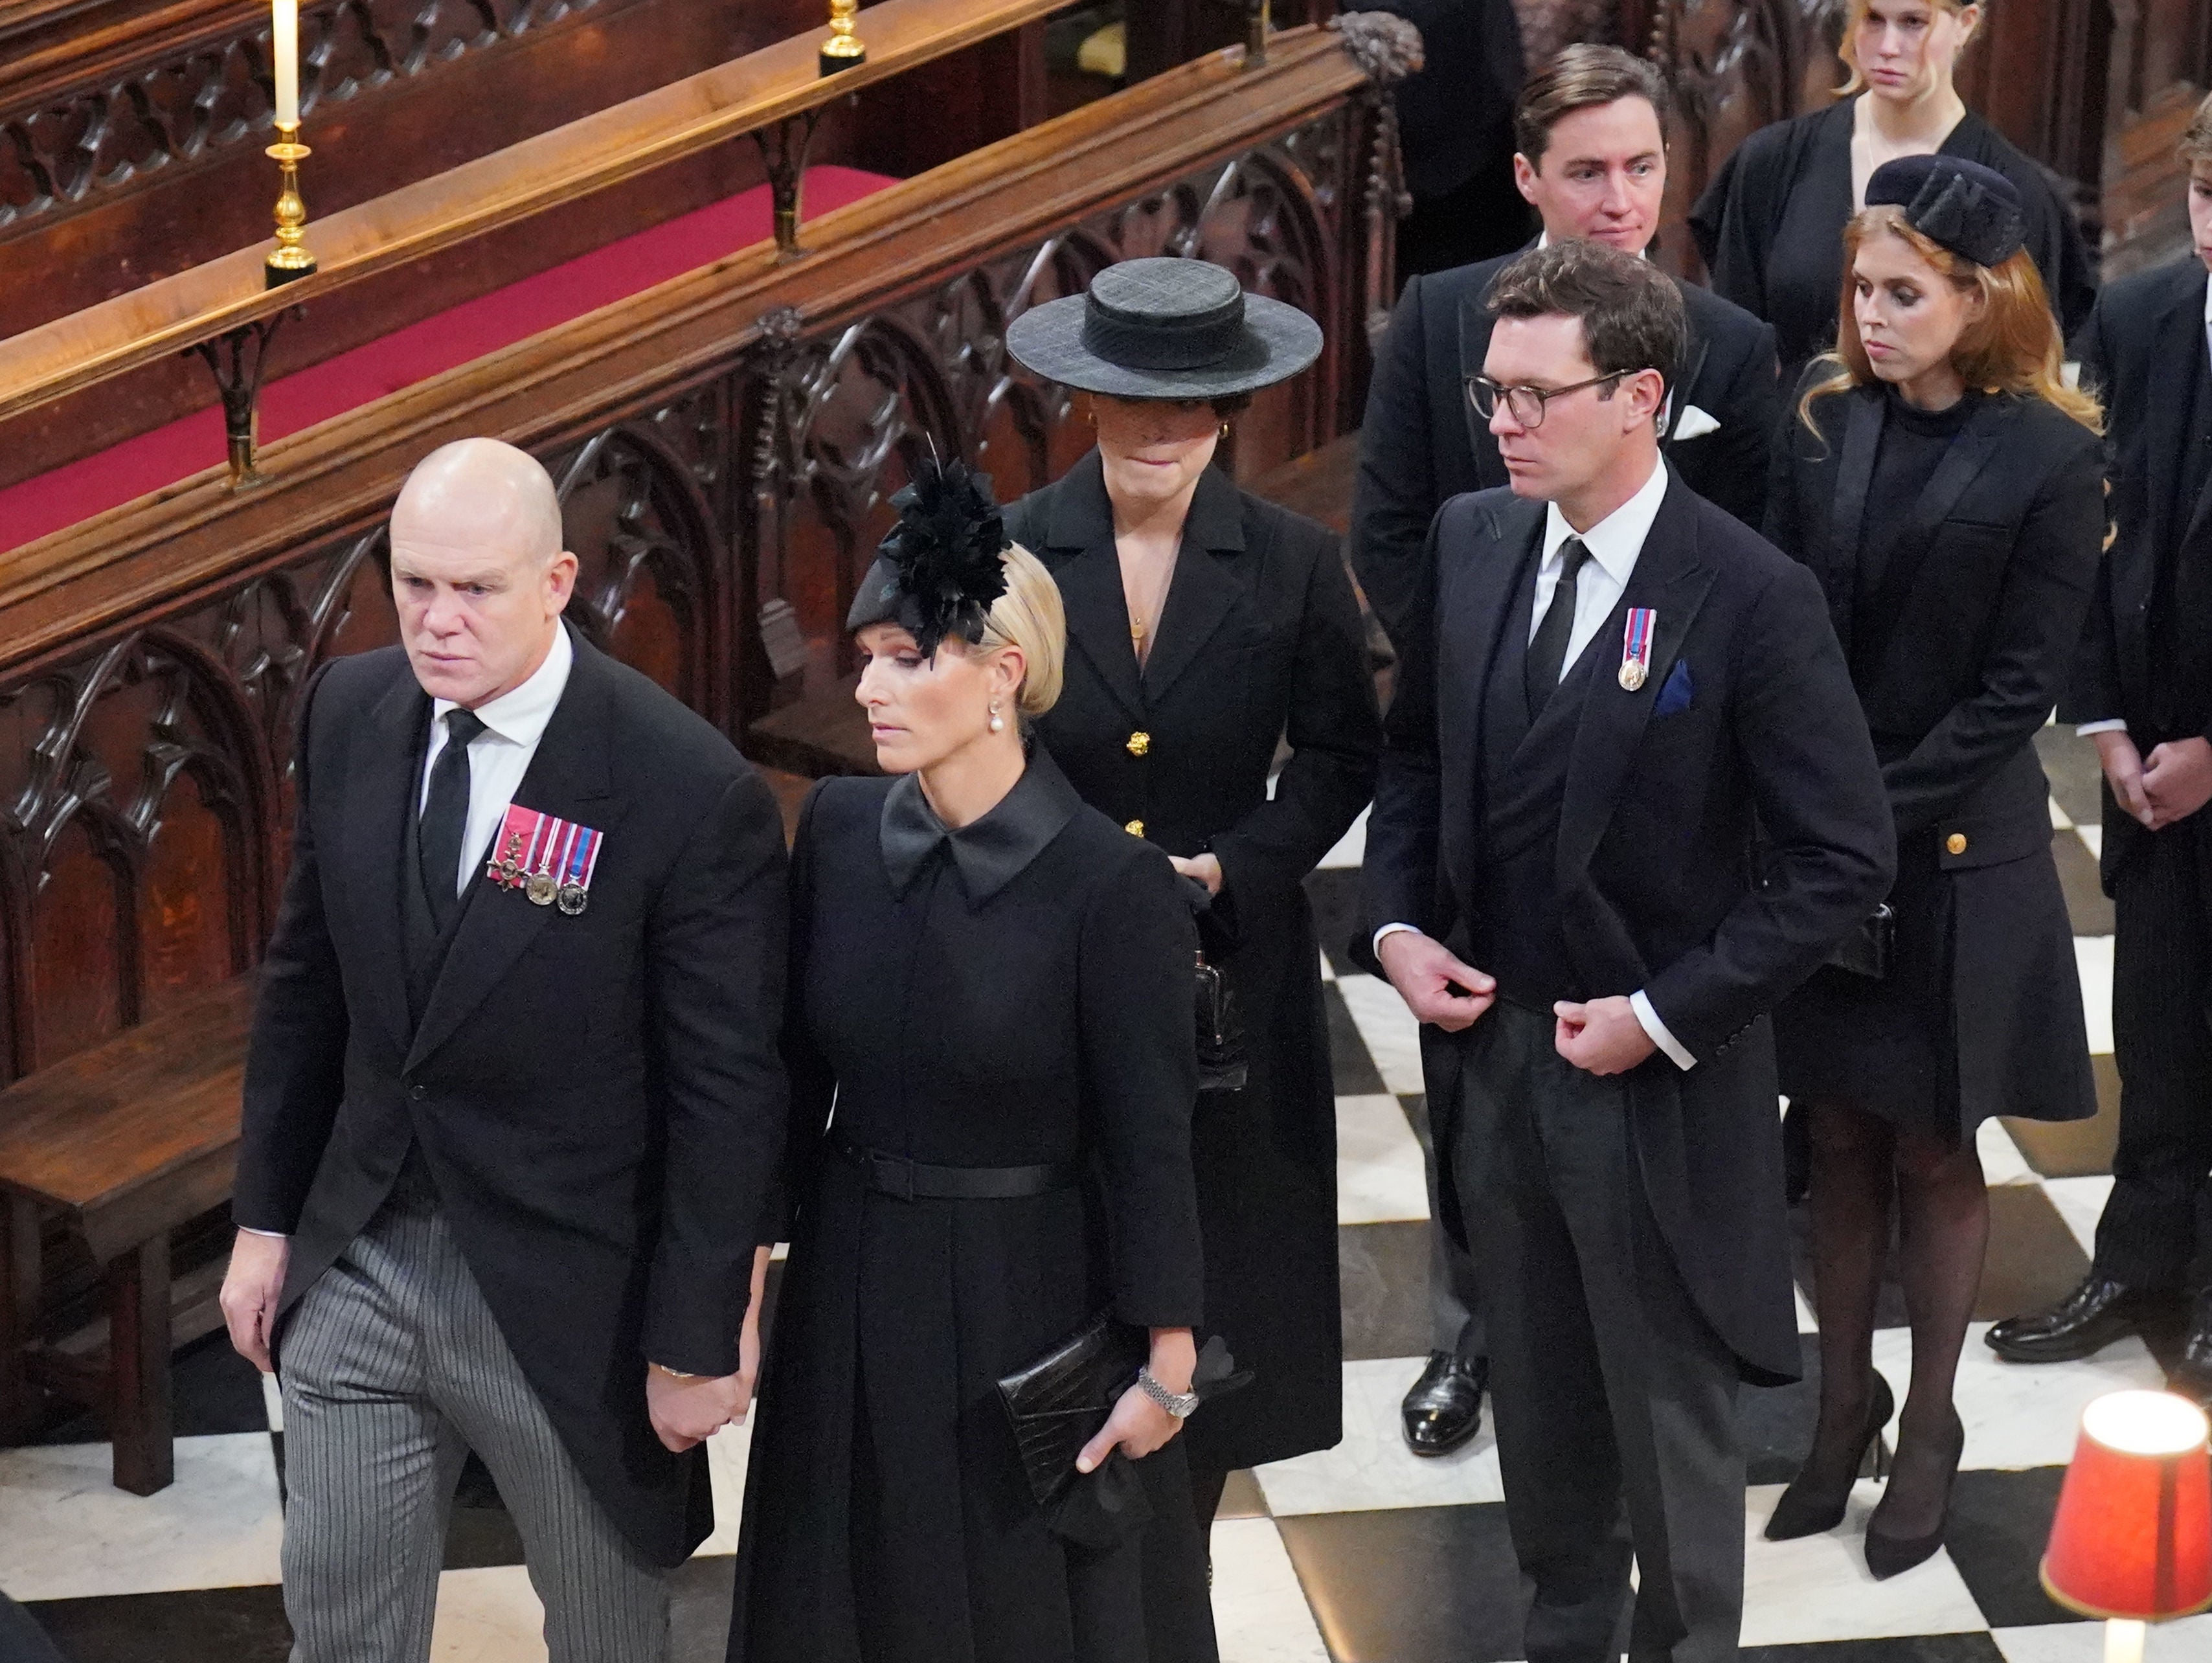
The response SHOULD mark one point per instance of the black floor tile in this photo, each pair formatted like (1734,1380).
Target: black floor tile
(1334,897)
(210,1625)
(1411,1585)
(215,1391)
(699,1610)
(1241,1498)
(1354,1070)
(2033,1259)
(1902,1649)
(1382,1271)
(480,1532)
(1776,1422)
(1417,1111)
(2076,1149)
(2000,1522)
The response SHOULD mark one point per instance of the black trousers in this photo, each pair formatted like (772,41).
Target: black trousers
(1615,1400)
(2156,1231)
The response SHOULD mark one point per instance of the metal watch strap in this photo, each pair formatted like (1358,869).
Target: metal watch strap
(1178,1404)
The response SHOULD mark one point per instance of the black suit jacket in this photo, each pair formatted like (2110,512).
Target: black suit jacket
(1962,650)
(599,1098)
(1422,442)
(2145,333)
(1656,850)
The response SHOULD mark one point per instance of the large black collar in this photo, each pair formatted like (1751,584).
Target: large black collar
(990,852)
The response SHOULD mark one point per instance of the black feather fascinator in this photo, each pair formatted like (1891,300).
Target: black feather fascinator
(937,571)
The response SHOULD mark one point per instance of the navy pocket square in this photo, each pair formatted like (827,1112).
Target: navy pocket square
(1679,691)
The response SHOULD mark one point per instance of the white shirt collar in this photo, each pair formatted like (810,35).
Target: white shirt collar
(1615,541)
(1544,241)
(519,714)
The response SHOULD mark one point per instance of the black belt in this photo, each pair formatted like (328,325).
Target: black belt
(911,1181)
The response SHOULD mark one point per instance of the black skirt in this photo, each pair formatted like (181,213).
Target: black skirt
(1979,1014)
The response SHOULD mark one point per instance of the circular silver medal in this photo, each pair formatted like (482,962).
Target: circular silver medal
(541,888)
(573,899)
(1632,674)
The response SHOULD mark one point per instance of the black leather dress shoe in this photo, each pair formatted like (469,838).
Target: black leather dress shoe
(2191,1375)
(2091,1317)
(1444,1408)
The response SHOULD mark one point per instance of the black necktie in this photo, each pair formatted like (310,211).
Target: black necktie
(1547,651)
(446,817)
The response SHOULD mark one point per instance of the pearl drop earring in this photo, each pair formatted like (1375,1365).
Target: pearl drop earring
(998,722)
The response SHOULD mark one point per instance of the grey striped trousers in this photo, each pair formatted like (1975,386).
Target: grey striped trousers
(392,1370)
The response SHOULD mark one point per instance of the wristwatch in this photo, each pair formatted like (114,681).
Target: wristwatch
(1178,1404)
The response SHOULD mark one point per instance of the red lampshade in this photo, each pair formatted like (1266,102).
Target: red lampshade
(2133,1535)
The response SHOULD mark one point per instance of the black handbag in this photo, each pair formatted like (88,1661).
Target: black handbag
(1865,951)
(1221,1062)
(1058,1403)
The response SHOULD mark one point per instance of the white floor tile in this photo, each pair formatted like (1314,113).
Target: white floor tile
(489,1616)
(1260,1611)
(1372,1467)
(1328,970)
(66,1532)
(2081,1202)
(2095,837)
(2189,1640)
(1818,1587)
(725,1466)
(1394,1038)
(272,1399)
(2093,955)
(1380,1178)
(2060,820)
(1350,848)
(2002,1161)
(2023,1414)
(1806,1322)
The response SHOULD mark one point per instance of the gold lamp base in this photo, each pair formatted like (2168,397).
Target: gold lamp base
(289,260)
(843,49)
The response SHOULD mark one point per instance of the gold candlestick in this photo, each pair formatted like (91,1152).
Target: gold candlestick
(289,259)
(842,50)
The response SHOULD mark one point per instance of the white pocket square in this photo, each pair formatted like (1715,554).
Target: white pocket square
(1695,423)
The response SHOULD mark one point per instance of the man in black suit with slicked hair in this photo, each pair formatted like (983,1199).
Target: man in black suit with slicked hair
(1616,682)
(1592,159)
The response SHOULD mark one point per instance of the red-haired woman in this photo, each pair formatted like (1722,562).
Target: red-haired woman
(1946,487)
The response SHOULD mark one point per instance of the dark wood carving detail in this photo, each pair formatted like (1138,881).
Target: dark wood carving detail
(181,105)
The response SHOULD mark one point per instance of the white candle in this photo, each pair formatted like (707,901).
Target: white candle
(2124,1640)
(285,49)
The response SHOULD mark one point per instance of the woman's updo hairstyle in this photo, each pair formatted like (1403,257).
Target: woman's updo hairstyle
(1030,616)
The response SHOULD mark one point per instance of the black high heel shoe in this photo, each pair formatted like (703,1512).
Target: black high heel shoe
(1888,1555)
(1803,1511)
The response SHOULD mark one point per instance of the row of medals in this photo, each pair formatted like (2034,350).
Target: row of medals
(541,886)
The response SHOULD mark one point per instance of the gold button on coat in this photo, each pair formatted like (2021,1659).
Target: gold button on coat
(1135,828)
(1956,842)
(1139,742)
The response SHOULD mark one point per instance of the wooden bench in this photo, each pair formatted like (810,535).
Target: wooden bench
(126,1141)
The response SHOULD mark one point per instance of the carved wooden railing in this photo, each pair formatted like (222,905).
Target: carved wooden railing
(724,445)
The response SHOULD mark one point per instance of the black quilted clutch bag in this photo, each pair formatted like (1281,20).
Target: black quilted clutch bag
(1059,1402)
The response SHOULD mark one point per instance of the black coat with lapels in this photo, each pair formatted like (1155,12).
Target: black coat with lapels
(1959,647)
(1260,641)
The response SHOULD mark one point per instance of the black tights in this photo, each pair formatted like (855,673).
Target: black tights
(1860,1161)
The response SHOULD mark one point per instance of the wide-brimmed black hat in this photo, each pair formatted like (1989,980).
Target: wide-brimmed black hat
(1972,210)
(1165,329)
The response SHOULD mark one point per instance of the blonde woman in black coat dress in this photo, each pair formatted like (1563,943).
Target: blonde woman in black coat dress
(991,1064)
(1947,488)
(1205,627)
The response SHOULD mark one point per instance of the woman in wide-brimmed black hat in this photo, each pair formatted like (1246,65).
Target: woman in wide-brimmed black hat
(1204,626)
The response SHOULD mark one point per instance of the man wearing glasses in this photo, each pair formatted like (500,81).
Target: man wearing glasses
(1592,159)
(1618,677)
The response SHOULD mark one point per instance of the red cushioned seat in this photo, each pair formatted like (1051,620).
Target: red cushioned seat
(77,490)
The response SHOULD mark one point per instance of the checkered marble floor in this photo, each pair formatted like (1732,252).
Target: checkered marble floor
(1361,1554)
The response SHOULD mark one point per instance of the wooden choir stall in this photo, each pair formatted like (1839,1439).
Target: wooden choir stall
(727,299)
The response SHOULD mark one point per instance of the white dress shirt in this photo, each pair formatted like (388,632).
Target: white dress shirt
(2119,724)
(1615,542)
(499,756)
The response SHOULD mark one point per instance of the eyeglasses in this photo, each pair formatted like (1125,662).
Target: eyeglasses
(1526,404)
